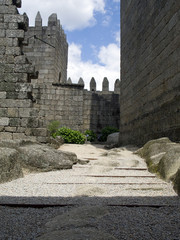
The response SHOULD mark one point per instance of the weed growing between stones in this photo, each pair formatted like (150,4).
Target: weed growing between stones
(53,128)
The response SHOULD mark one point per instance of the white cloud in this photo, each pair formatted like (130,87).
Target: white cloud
(106,21)
(73,14)
(117,37)
(108,55)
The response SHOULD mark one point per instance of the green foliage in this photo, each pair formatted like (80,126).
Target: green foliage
(105,132)
(71,136)
(91,136)
(53,127)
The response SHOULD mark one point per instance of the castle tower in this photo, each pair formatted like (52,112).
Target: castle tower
(47,48)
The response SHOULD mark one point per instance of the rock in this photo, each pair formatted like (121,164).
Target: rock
(153,151)
(16,143)
(56,142)
(44,158)
(176,182)
(113,139)
(170,162)
(10,165)
(163,157)
(17,156)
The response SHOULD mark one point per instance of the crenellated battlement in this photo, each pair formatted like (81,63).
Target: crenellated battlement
(92,85)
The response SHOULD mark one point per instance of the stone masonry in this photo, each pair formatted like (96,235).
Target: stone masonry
(16,112)
(150,70)
(31,100)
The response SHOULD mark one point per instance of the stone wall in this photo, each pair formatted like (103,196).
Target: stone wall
(150,70)
(101,108)
(16,102)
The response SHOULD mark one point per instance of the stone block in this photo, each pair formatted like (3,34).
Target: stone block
(2,50)
(21,59)
(8,9)
(25,112)
(5,2)
(15,34)
(16,103)
(5,136)
(4,121)
(10,59)
(2,95)
(2,33)
(32,122)
(13,112)
(14,122)
(3,112)
(13,18)
(13,26)
(12,95)
(10,129)
(23,87)
(7,87)
(15,51)
(19,136)
(40,132)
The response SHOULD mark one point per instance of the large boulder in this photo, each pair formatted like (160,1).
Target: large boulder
(44,158)
(153,151)
(163,157)
(17,156)
(170,162)
(10,165)
(113,139)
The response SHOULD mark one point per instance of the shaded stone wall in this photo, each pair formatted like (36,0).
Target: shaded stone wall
(150,70)
(101,108)
(16,103)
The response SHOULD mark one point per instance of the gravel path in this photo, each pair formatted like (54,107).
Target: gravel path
(115,195)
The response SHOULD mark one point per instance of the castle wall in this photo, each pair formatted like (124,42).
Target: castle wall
(30,101)
(150,70)
(16,72)
(101,109)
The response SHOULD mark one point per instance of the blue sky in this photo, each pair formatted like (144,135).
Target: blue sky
(93,33)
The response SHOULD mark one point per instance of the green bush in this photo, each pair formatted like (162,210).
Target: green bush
(91,136)
(53,127)
(105,132)
(71,136)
